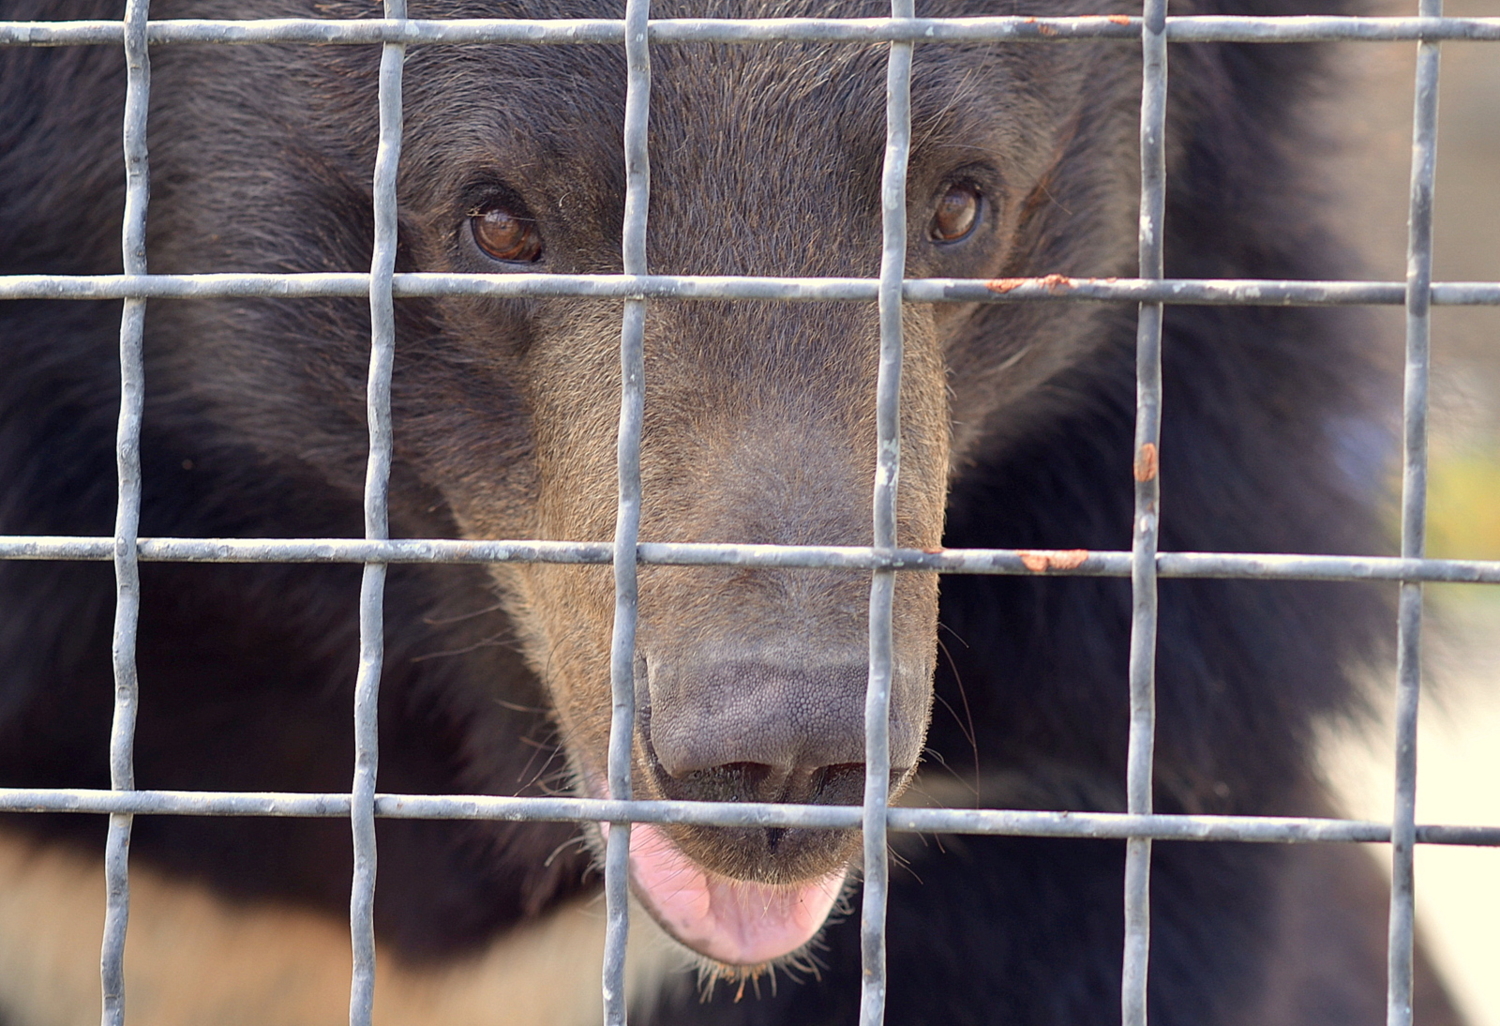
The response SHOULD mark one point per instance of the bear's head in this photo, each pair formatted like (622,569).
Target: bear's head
(759,422)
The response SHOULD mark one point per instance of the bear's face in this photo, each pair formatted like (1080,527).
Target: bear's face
(759,428)
(759,425)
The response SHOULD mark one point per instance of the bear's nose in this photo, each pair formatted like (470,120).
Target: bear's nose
(773,730)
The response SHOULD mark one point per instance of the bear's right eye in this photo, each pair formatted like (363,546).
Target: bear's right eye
(505,235)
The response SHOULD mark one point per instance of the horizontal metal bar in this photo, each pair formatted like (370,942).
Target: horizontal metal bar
(1019,562)
(1007,822)
(1198,29)
(1193,291)
(1311,29)
(1056,287)
(1281,566)
(310,550)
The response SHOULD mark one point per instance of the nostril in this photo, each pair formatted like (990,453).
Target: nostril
(835,784)
(756,777)
(840,784)
(731,782)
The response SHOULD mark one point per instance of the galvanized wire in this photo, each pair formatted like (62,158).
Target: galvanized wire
(1181,29)
(1015,562)
(1413,530)
(873,820)
(127,514)
(527,809)
(628,513)
(1051,288)
(376,503)
(1145,530)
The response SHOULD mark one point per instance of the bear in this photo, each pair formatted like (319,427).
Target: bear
(1008,692)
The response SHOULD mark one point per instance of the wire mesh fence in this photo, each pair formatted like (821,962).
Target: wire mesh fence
(1144,565)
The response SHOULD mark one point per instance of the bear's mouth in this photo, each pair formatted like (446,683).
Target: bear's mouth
(739,923)
(740,896)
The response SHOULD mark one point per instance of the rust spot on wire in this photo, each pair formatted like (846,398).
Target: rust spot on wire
(1052,283)
(1145,463)
(1041,562)
(1119,19)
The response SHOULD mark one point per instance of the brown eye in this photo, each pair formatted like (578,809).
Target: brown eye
(505,235)
(957,213)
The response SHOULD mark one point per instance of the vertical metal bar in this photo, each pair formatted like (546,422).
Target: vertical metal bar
(1133,984)
(377,479)
(887,479)
(1413,526)
(127,514)
(628,512)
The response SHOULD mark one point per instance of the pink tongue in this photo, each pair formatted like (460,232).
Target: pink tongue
(731,921)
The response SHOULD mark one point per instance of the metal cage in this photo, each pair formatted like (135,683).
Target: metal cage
(1143,564)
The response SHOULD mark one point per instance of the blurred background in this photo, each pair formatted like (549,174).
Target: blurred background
(1458,777)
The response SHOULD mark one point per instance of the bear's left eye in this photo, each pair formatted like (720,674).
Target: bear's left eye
(958,208)
(504,234)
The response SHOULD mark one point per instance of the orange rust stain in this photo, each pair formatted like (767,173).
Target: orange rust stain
(1050,282)
(1119,19)
(1046,30)
(1145,463)
(1041,562)
(1069,559)
(935,552)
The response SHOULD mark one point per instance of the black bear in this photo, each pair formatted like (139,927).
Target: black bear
(1017,427)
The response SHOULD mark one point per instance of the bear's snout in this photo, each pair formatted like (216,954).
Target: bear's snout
(761,731)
